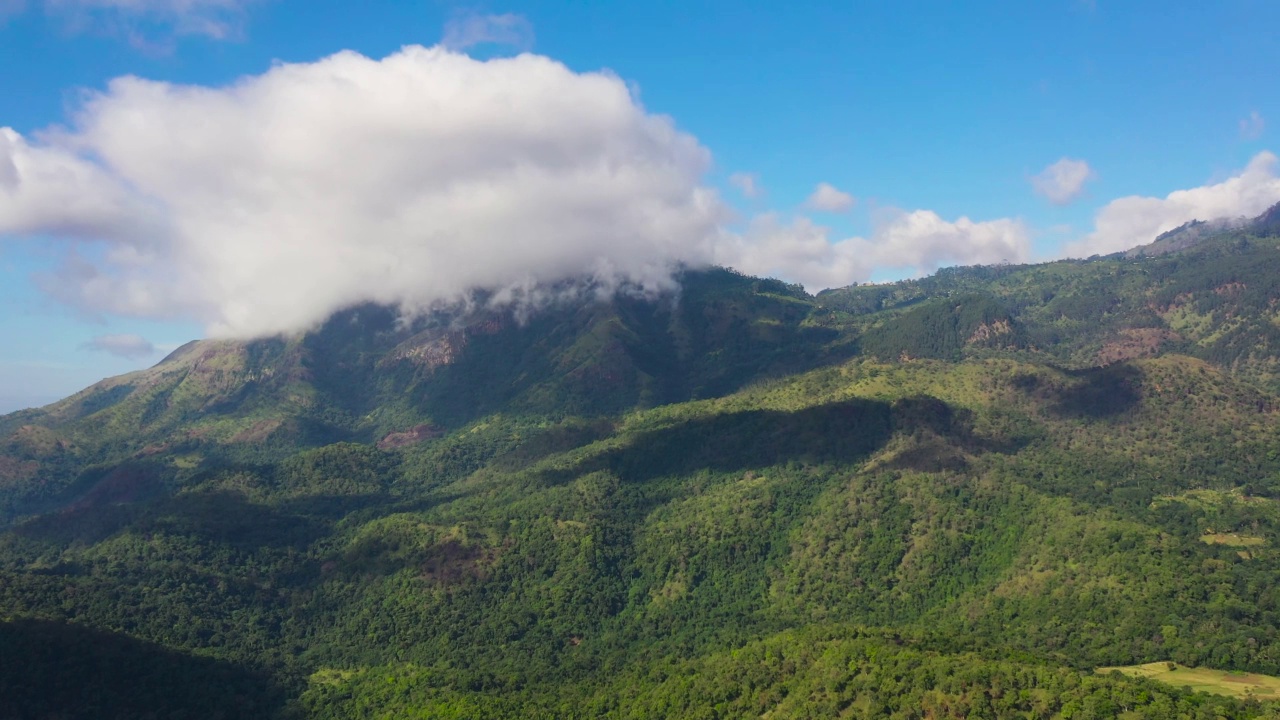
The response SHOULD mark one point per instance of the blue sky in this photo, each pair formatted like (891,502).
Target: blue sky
(931,122)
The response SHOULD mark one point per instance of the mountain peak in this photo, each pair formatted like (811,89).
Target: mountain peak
(1194,232)
(1186,236)
(1268,223)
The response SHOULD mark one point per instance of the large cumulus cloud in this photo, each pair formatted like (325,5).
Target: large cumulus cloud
(1135,220)
(916,242)
(264,206)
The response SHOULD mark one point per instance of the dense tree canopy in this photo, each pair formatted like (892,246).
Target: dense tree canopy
(951,497)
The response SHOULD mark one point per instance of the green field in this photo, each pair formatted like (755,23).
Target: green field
(1233,539)
(1202,679)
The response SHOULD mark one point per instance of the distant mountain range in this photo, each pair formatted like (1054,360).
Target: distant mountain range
(946,497)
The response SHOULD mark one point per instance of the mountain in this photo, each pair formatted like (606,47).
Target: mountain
(365,376)
(1214,300)
(948,497)
(1185,236)
(1268,223)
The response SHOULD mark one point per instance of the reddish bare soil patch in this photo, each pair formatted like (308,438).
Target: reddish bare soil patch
(256,432)
(1135,343)
(13,470)
(413,435)
(38,441)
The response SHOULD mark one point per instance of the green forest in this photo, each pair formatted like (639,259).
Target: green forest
(953,497)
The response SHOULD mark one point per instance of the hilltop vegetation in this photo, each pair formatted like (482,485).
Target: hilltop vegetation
(951,497)
(1215,300)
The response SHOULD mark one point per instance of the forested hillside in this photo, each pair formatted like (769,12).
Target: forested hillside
(947,497)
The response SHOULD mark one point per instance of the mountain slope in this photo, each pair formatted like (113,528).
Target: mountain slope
(950,497)
(1215,300)
(365,376)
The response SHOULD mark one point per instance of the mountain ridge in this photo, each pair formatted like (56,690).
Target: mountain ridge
(955,495)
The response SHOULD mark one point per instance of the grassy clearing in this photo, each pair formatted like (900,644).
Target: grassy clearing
(1202,679)
(331,676)
(1232,539)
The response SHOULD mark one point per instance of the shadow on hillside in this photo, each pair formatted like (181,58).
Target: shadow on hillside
(839,432)
(230,518)
(88,526)
(1091,394)
(220,517)
(1100,392)
(56,670)
(942,437)
(99,503)
(551,441)
(600,360)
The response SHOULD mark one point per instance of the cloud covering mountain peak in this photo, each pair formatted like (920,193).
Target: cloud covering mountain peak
(263,206)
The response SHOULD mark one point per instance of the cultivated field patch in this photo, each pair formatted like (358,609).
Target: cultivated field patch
(1232,539)
(1203,679)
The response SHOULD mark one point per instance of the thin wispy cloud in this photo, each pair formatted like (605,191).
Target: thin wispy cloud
(132,347)
(470,30)
(828,198)
(1252,127)
(146,24)
(1063,181)
(748,184)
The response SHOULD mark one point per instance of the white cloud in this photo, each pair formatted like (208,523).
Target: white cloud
(748,184)
(1063,181)
(133,347)
(264,206)
(924,241)
(799,251)
(46,189)
(1132,221)
(828,198)
(919,241)
(1252,127)
(469,30)
(139,20)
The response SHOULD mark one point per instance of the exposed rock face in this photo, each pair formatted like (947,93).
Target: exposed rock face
(986,332)
(430,350)
(438,347)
